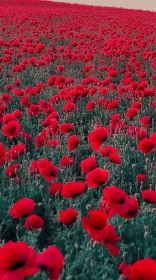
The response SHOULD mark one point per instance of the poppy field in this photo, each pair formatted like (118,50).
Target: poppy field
(77,142)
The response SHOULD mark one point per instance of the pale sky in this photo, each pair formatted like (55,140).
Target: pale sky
(130,4)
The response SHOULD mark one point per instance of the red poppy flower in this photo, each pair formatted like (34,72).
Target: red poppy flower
(26,136)
(132,112)
(17,113)
(25,101)
(73,142)
(18,92)
(60,80)
(141,269)
(88,164)
(42,103)
(142,74)
(22,208)
(145,121)
(118,200)
(33,222)
(106,208)
(113,87)
(2,161)
(52,80)
(60,68)
(68,216)
(9,87)
(42,163)
(41,86)
(141,134)
(97,177)
(103,103)
(136,105)
(122,267)
(73,189)
(49,172)
(66,161)
(33,91)
(149,196)
(17,260)
(2,150)
(3,108)
(98,230)
(97,137)
(16,150)
(96,222)
(40,141)
(106,151)
(114,195)
(112,73)
(66,127)
(153,138)
(8,117)
(154,104)
(131,131)
(55,188)
(106,82)
(12,129)
(40,47)
(90,105)
(34,110)
(115,158)
(133,209)
(54,127)
(11,170)
(113,104)
(6,97)
(51,260)
(109,239)
(69,107)
(115,118)
(141,177)
(53,143)
(145,146)
(34,168)
(50,120)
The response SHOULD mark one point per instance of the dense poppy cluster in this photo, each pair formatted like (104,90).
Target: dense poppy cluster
(18,260)
(77,141)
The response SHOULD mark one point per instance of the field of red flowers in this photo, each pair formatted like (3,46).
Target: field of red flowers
(77,142)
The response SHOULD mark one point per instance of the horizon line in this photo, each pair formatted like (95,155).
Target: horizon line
(83,2)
